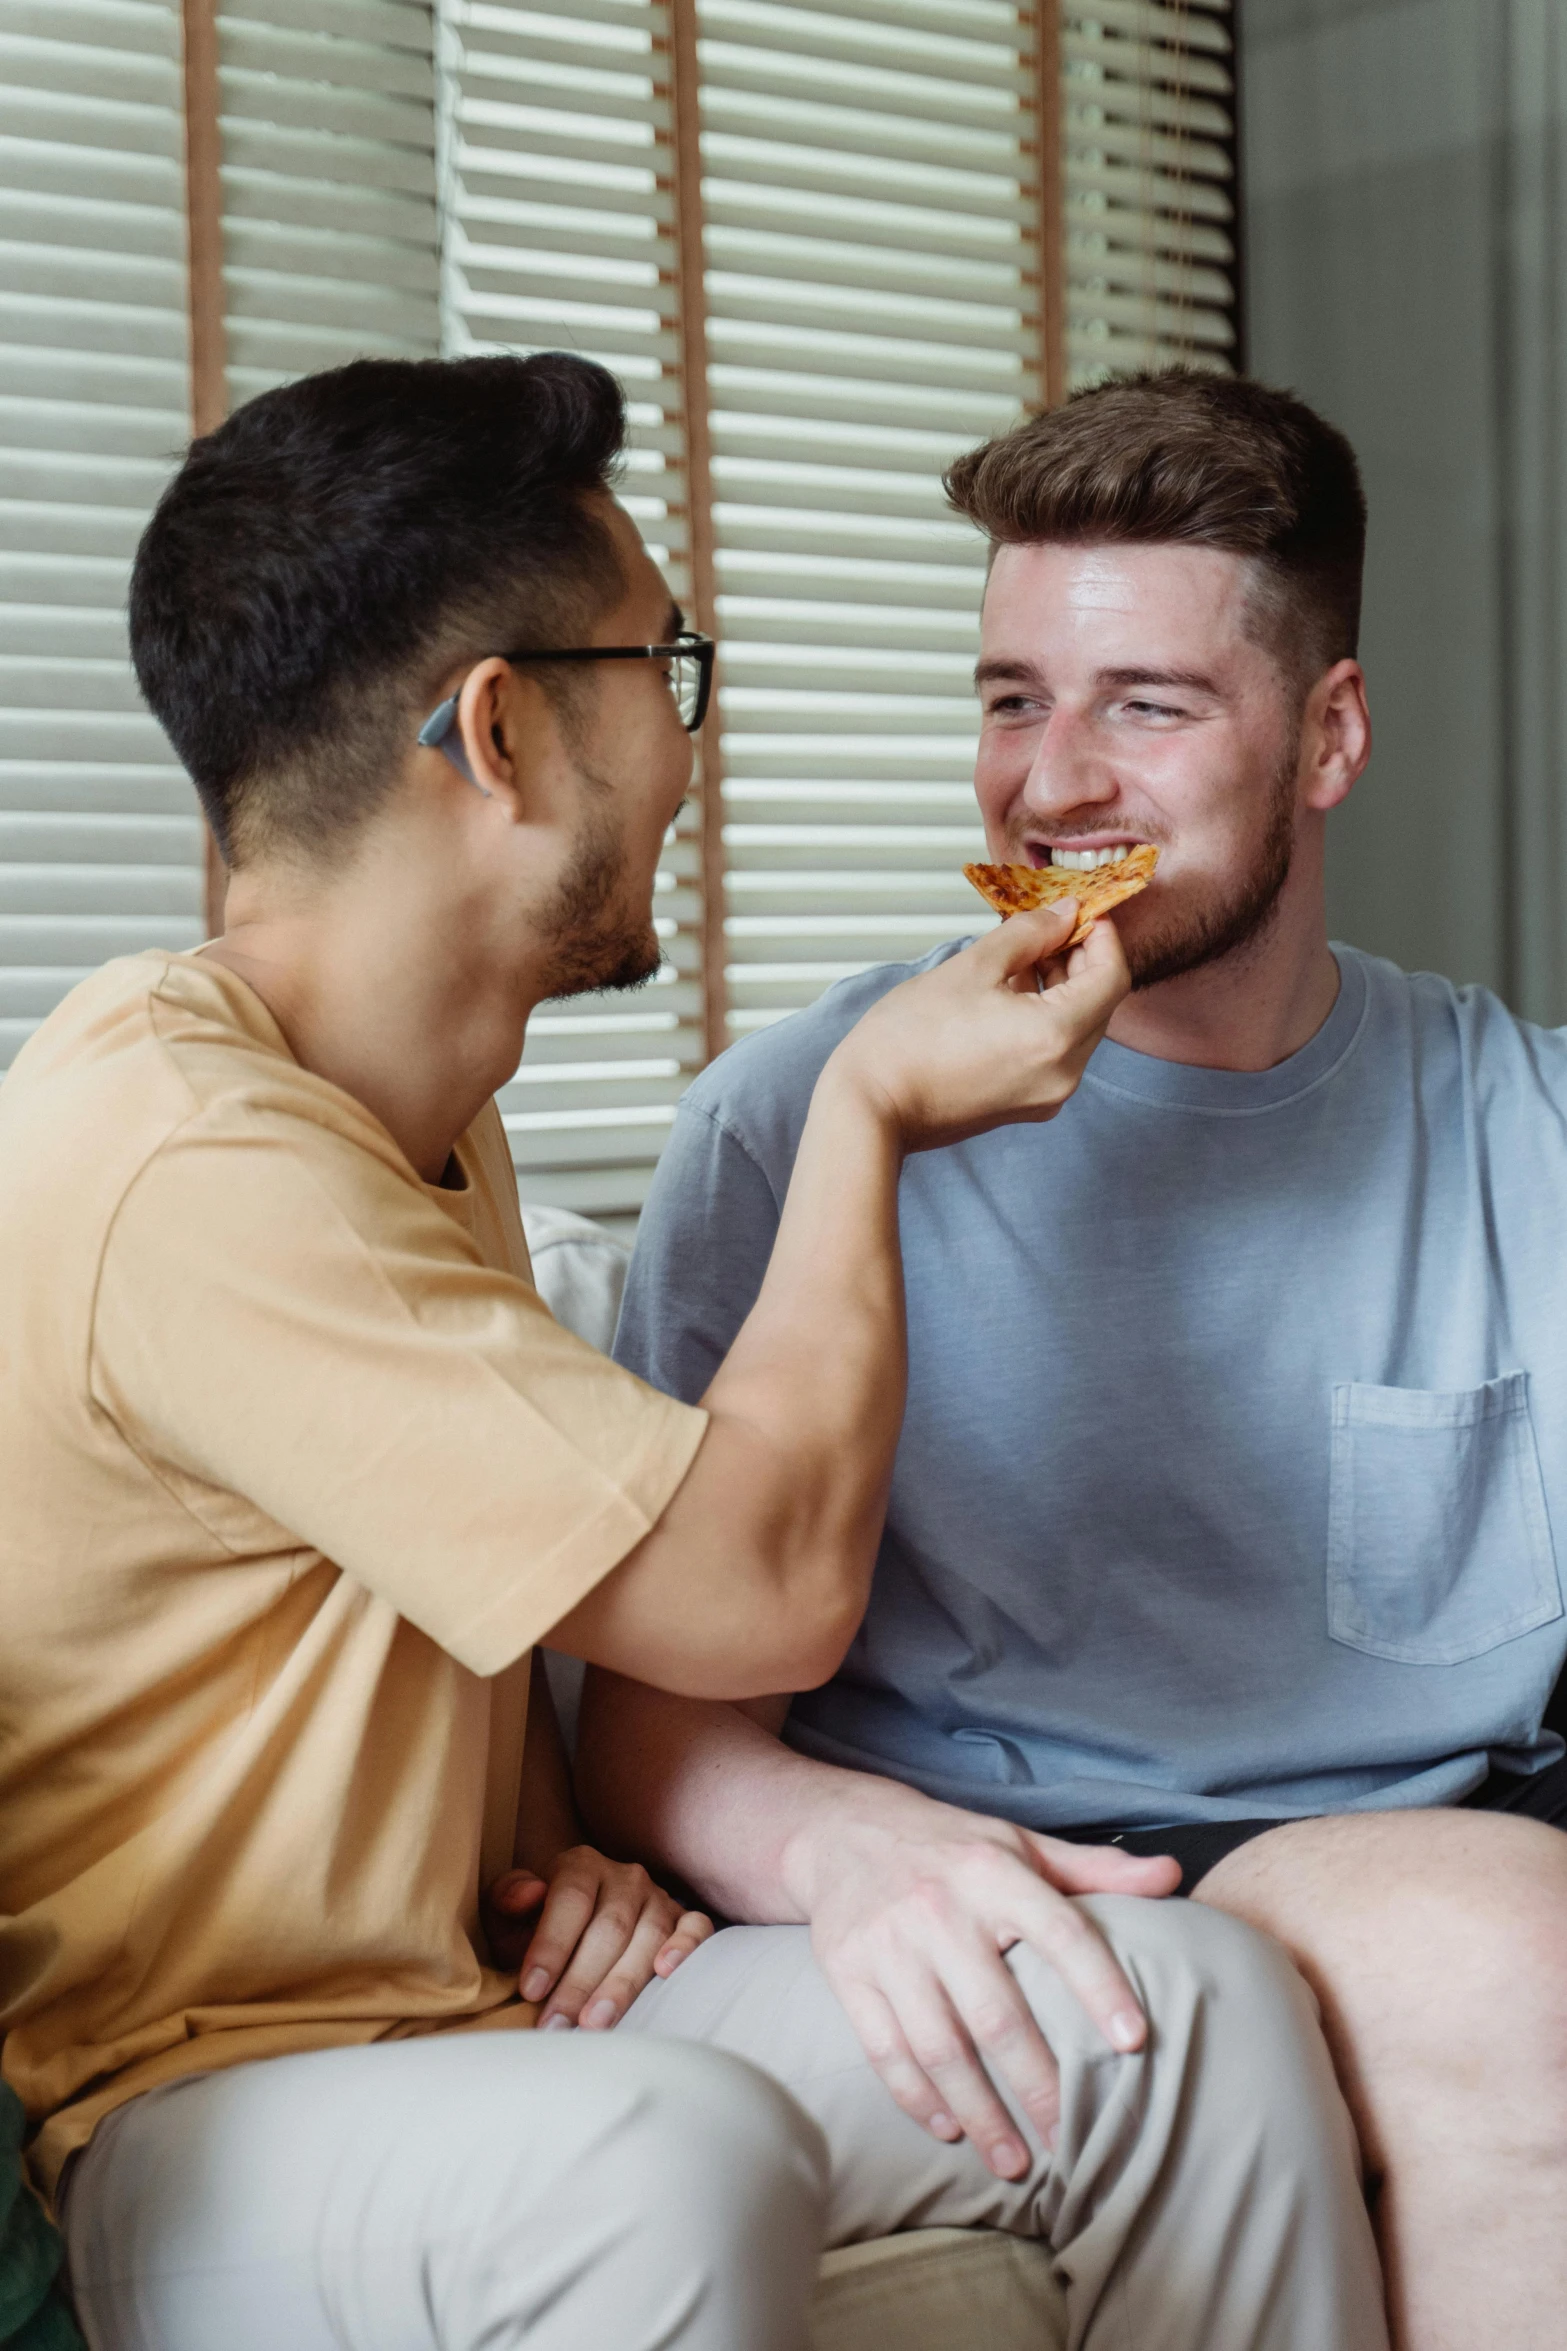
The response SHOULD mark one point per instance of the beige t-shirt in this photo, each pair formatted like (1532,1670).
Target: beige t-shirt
(293,1465)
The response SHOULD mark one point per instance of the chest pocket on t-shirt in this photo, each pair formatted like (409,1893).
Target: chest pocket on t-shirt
(1438,1542)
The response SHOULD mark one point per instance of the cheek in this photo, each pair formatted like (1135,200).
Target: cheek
(1001,766)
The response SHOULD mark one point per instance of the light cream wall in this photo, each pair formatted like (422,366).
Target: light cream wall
(1407,234)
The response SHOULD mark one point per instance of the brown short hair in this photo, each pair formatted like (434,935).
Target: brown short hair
(1207,460)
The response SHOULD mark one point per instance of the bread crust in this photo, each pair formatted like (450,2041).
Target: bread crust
(1017,889)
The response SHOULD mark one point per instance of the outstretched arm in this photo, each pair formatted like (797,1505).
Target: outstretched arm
(757,1574)
(911,1903)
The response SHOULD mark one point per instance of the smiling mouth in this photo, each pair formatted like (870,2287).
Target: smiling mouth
(1079,860)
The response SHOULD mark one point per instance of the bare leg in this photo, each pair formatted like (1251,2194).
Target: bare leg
(1436,1943)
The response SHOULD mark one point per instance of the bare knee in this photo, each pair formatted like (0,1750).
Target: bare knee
(1437,1946)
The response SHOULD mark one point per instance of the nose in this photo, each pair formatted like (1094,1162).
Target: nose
(1068,769)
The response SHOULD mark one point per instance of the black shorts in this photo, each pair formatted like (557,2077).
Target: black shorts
(1199,1845)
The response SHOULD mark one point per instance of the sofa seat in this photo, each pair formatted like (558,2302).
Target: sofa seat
(939,2290)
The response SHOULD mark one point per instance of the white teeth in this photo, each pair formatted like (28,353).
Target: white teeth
(1084,860)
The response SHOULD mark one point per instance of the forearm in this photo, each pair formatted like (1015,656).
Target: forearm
(818,1369)
(702,1790)
(758,1570)
(757,1573)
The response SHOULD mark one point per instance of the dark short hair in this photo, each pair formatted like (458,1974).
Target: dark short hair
(1206,460)
(336,547)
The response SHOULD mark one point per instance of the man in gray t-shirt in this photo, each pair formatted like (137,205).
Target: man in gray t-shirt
(1237,1418)
(1222,1520)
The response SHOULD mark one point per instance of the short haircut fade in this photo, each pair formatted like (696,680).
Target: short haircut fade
(1206,460)
(325,556)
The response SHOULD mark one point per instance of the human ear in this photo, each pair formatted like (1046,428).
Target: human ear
(1337,735)
(490,727)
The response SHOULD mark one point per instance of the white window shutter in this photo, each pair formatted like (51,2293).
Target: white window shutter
(561,235)
(870,178)
(330,235)
(1148,140)
(504,177)
(100,843)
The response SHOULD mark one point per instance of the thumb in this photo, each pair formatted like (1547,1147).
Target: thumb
(1030,938)
(1095,978)
(518,1890)
(1104,1869)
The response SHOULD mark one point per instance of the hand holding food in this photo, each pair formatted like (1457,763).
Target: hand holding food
(958,1049)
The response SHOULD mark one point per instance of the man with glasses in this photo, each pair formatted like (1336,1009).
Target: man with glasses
(297,1469)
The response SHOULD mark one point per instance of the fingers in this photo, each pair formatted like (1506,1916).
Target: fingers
(1084,987)
(610,1967)
(519,1891)
(652,1951)
(570,1904)
(931,2037)
(606,1929)
(1029,938)
(1106,1869)
(508,1905)
(692,1927)
(1068,1940)
(1094,977)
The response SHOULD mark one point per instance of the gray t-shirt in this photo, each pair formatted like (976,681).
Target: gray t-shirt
(1237,1419)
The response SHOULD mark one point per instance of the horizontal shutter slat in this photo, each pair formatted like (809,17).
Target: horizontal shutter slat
(561,235)
(100,844)
(872,309)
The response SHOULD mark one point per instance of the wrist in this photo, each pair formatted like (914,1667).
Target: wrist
(853,1815)
(850,1093)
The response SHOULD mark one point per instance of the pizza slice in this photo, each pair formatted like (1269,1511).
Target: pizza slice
(1017,889)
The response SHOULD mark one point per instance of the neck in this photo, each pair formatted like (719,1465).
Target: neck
(383,991)
(1253,1008)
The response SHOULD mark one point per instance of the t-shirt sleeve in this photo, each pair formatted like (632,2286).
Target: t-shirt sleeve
(283,1316)
(703,1243)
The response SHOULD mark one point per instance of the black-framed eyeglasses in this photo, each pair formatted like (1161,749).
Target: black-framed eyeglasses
(690,675)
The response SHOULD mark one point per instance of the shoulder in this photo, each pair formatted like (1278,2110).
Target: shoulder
(1463,1021)
(758,1092)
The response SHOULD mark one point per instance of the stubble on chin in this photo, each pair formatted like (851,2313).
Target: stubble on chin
(1228,920)
(593,942)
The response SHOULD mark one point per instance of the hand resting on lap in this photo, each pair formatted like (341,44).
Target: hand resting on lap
(603,1930)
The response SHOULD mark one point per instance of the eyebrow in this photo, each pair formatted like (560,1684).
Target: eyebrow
(1027,672)
(1194,680)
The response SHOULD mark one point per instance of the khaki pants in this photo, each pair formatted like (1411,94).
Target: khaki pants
(562,2192)
(1204,2195)
(507,2191)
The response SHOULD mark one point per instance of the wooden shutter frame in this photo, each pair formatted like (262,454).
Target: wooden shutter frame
(204,249)
(1052,208)
(685,78)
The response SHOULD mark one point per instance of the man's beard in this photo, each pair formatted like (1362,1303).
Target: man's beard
(1226,925)
(592,940)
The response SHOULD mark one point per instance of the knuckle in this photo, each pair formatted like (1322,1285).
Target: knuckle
(995,2024)
(1068,1930)
(937,2051)
(882,2046)
(928,1901)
